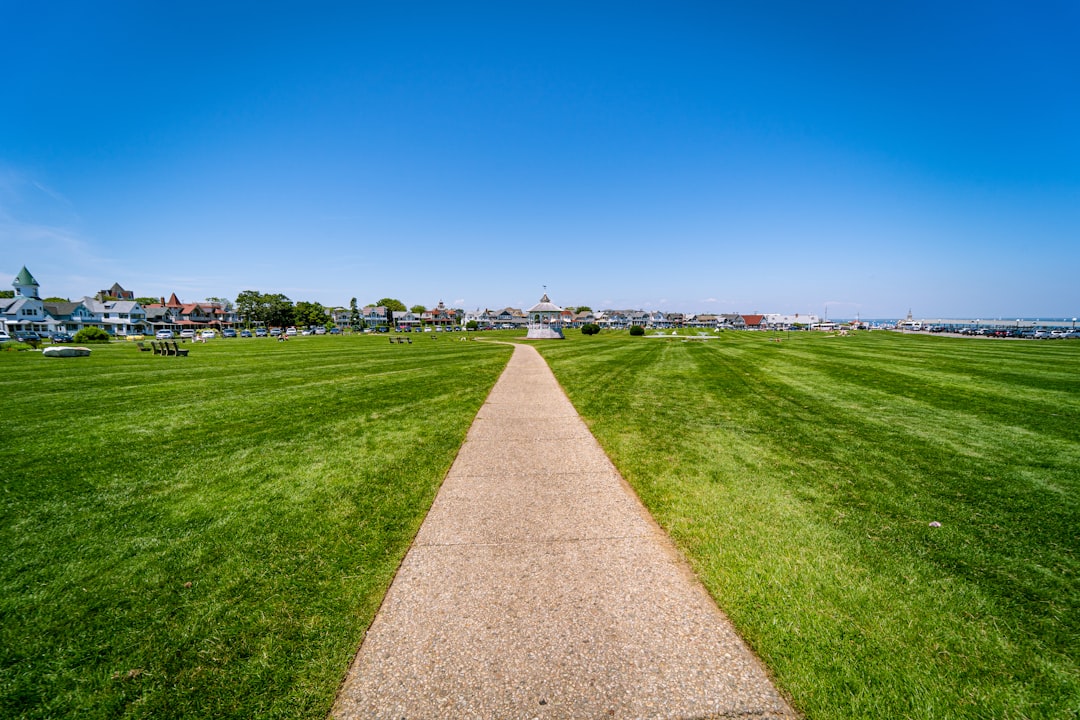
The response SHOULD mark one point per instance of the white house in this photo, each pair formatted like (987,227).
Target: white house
(119,317)
(25,311)
(781,321)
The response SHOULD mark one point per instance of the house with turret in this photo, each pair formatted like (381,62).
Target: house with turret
(440,315)
(25,311)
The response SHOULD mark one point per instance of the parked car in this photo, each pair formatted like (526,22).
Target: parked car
(274,332)
(164,335)
(26,336)
(335,331)
(189,334)
(291,332)
(245,333)
(229,333)
(60,337)
(4,337)
(260,332)
(208,335)
(320,331)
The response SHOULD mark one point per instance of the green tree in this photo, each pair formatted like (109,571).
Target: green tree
(391,304)
(418,309)
(354,315)
(637,331)
(582,308)
(278,309)
(55,300)
(7,293)
(308,314)
(144,301)
(249,304)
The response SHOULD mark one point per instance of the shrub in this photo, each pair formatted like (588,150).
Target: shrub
(637,331)
(90,335)
(590,329)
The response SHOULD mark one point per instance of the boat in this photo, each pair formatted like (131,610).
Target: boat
(65,351)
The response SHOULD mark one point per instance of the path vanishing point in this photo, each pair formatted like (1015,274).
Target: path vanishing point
(538,586)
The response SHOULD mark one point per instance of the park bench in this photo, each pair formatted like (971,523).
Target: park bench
(142,347)
(176,350)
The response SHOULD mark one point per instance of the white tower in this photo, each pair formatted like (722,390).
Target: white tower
(25,285)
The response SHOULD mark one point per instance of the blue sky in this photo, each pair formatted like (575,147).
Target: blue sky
(700,157)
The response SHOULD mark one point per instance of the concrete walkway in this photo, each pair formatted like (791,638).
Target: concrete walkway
(539,587)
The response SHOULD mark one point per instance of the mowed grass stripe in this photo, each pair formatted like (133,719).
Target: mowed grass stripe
(801,477)
(1014,395)
(283,481)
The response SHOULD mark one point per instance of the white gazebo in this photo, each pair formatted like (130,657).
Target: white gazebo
(545,320)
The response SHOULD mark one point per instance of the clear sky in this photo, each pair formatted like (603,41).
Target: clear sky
(693,156)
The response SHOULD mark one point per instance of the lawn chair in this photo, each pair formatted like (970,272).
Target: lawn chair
(159,349)
(391,339)
(178,351)
(410,340)
(142,348)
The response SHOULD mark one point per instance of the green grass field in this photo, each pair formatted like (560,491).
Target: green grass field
(210,536)
(801,478)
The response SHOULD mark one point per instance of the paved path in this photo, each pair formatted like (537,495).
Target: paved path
(539,587)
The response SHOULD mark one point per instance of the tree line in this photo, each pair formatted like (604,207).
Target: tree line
(277,310)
